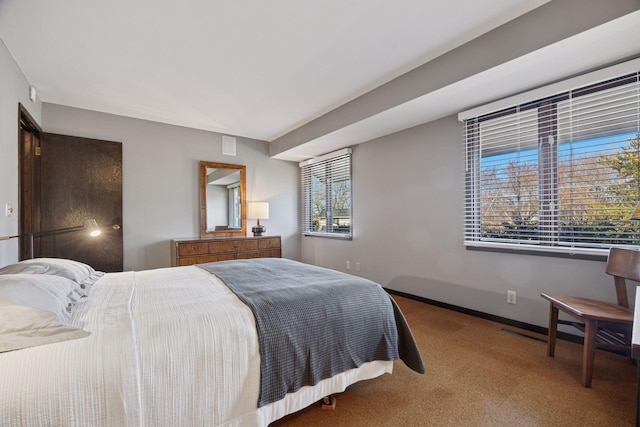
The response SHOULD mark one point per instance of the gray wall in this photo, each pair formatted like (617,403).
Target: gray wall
(160,180)
(408,187)
(408,205)
(14,89)
(217,195)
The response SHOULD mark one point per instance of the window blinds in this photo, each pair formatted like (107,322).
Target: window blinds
(326,195)
(558,173)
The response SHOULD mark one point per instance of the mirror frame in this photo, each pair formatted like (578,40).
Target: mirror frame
(203,200)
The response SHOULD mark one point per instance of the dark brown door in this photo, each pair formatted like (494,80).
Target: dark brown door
(81,179)
(29,179)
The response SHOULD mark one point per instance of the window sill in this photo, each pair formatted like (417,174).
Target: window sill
(549,251)
(329,235)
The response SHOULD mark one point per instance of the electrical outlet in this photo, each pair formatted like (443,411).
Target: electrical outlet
(511,297)
(348,265)
(357,266)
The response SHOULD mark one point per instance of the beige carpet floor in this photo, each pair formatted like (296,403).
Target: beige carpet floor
(480,375)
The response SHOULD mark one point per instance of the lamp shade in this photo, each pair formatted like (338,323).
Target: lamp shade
(258,210)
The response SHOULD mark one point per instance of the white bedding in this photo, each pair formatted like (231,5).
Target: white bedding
(168,347)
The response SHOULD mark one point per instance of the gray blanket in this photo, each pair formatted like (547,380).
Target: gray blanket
(314,323)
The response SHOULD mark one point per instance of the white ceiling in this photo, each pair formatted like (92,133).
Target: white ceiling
(251,68)
(260,69)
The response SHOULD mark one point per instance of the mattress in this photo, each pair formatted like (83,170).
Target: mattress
(171,346)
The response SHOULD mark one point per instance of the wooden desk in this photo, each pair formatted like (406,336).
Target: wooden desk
(635,349)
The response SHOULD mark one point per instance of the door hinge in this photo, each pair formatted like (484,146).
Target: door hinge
(37,153)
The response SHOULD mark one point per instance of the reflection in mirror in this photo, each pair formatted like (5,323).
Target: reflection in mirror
(223,192)
(222,189)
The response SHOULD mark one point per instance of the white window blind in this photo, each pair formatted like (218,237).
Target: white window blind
(561,173)
(326,195)
(235,214)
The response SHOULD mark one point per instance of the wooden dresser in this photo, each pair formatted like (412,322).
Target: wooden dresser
(198,251)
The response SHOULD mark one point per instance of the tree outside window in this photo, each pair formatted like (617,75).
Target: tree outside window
(563,171)
(327,196)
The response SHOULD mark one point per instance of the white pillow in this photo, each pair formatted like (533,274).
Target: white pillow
(23,326)
(74,270)
(51,293)
(82,274)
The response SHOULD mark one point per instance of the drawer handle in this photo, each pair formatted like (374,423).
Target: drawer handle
(193,247)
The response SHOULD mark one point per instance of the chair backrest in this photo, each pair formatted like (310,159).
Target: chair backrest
(623,264)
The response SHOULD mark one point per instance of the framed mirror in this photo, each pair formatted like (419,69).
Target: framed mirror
(223,211)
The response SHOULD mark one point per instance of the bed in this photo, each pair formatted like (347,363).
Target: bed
(188,345)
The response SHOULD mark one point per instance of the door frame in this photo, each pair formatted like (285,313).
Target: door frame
(28,181)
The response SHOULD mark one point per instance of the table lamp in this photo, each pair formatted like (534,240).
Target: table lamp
(258,210)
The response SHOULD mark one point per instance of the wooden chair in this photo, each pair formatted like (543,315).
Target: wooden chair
(605,325)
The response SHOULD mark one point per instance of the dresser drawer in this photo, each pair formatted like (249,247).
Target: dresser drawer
(248,255)
(270,253)
(269,243)
(189,249)
(200,251)
(246,245)
(233,246)
(205,258)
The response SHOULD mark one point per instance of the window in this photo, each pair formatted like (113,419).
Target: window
(235,216)
(557,173)
(326,195)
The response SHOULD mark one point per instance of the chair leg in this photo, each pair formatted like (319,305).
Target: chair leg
(588,351)
(553,328)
